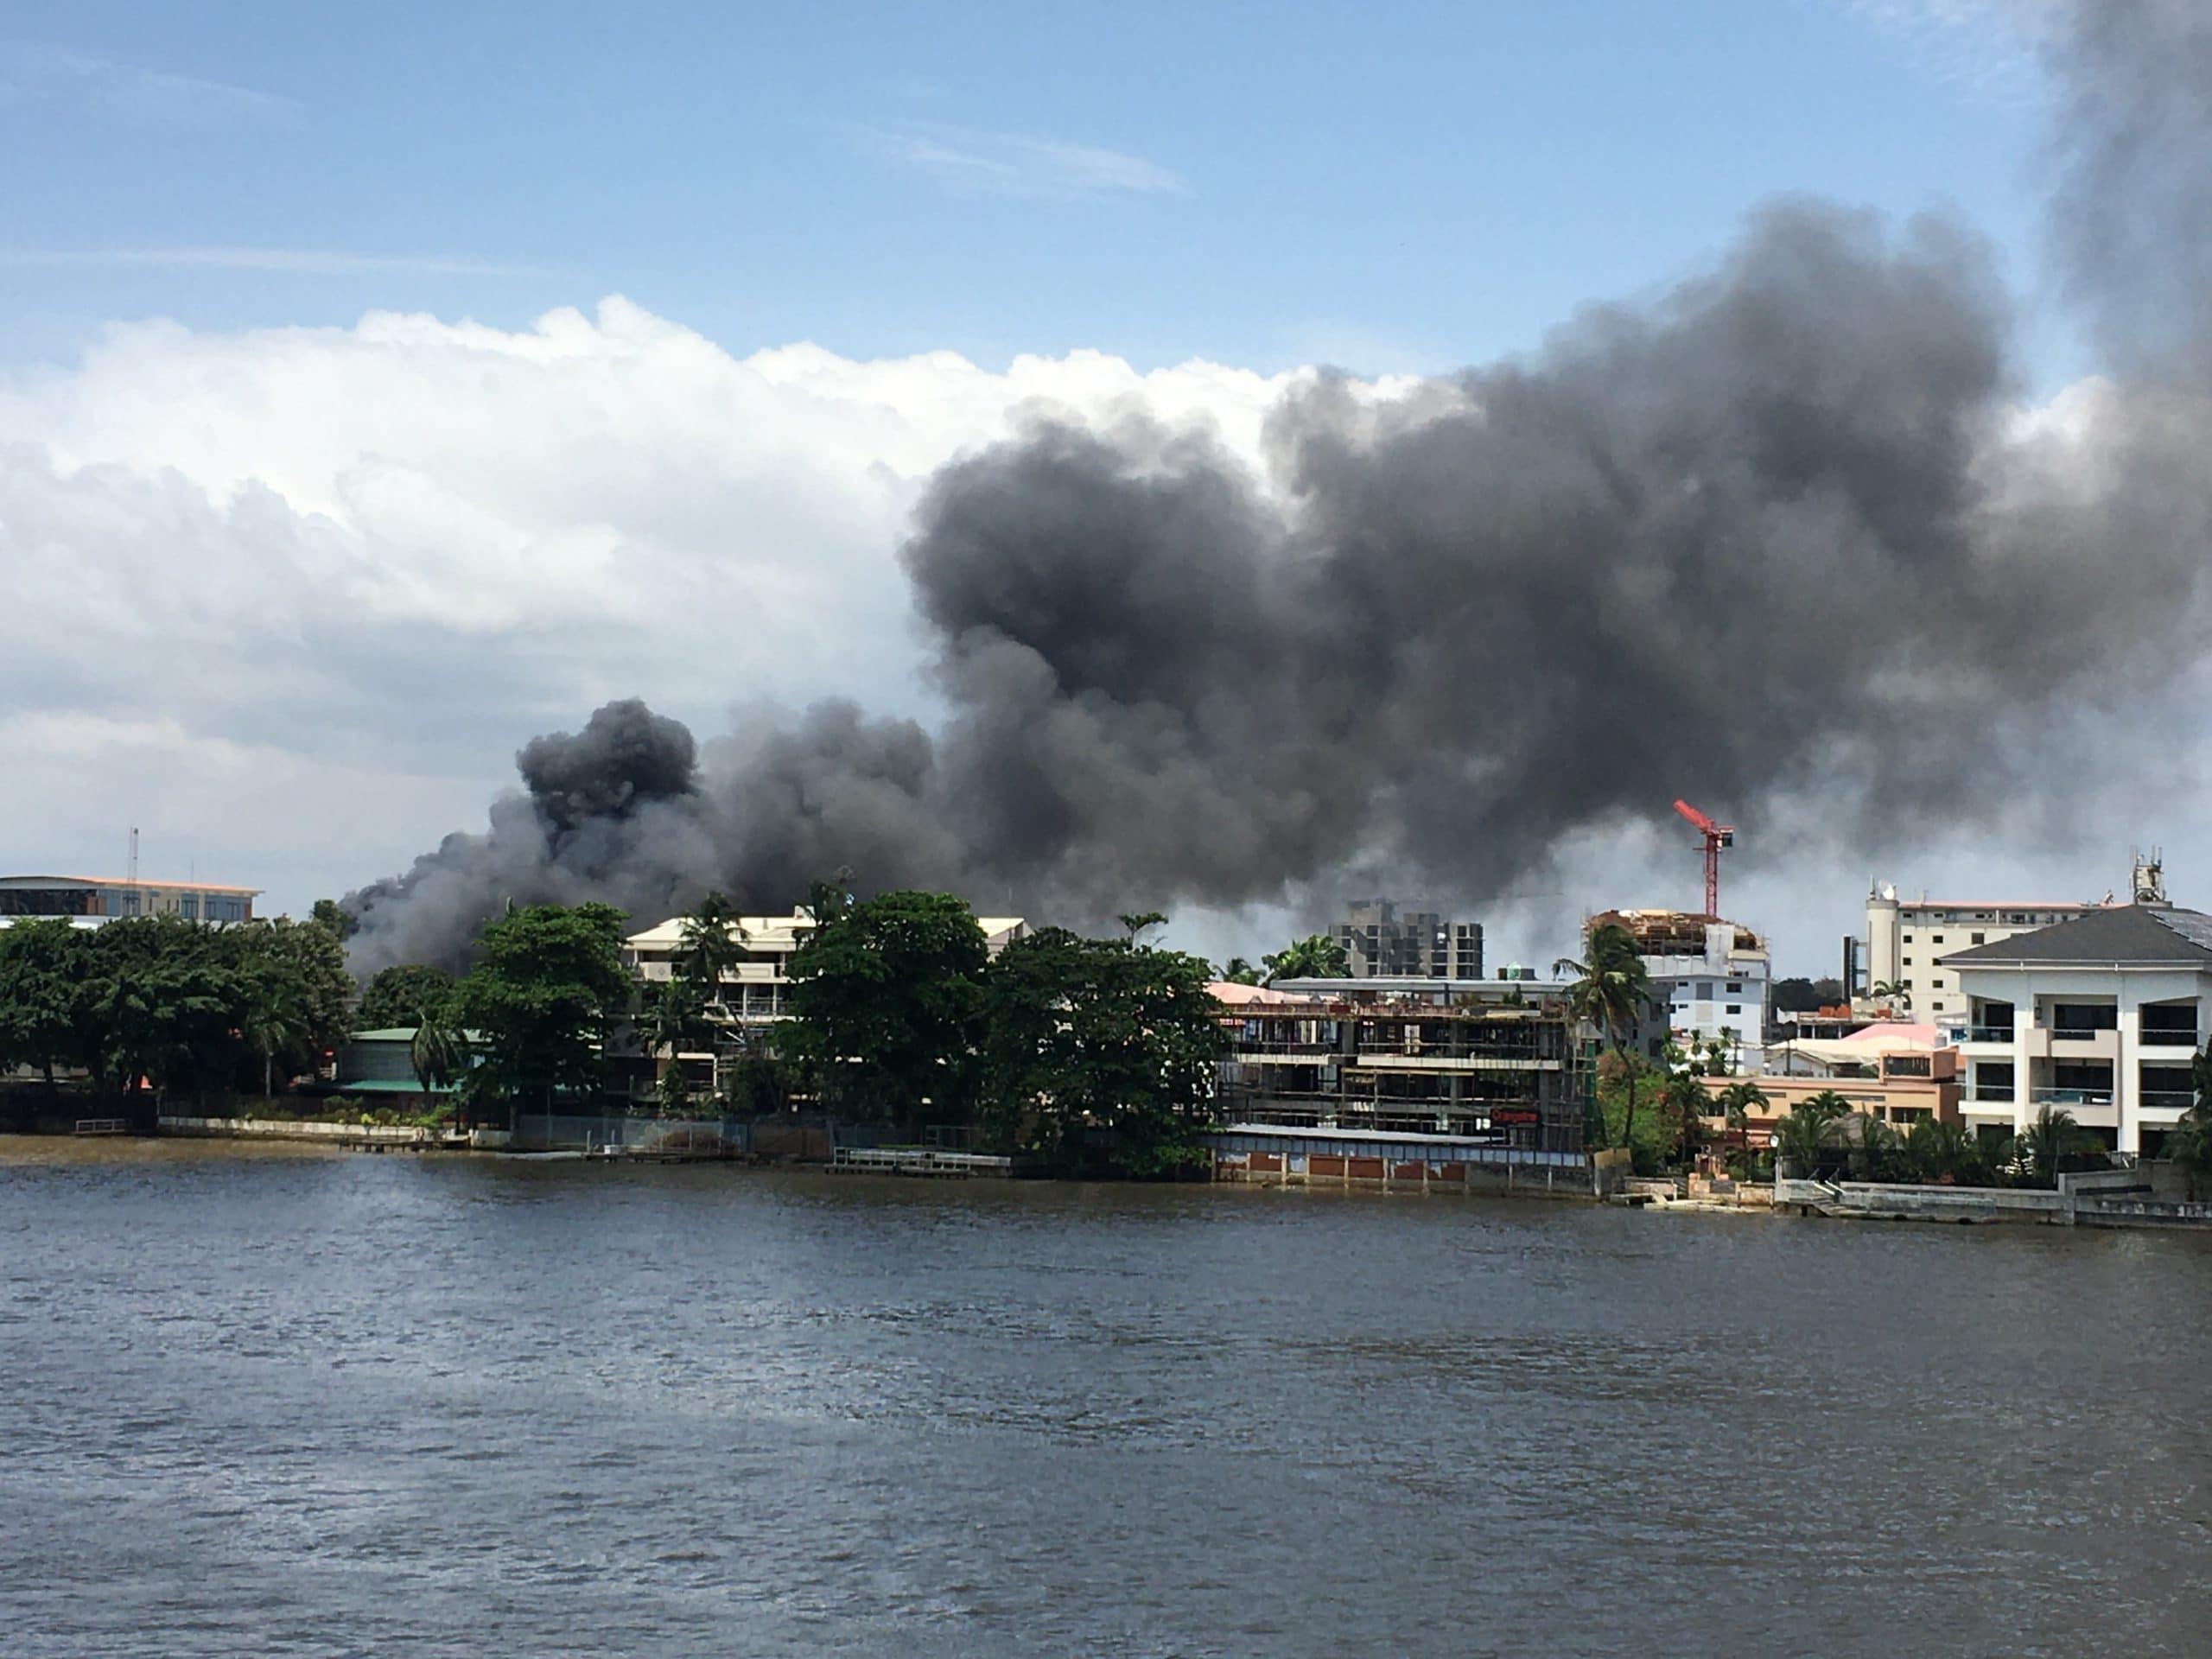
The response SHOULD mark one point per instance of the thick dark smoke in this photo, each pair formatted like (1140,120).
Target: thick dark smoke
(1782,534)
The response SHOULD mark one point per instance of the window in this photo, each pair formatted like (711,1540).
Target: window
(1735,987)
(1908,938)
(1939,1005)
(1977,938)
(188,906)
(1735,1007)
(1908,961)
(1935,938)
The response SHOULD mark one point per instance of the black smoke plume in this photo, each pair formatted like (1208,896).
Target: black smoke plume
(1782,535)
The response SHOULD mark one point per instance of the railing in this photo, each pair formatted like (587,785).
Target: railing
(2079,1033)
(1978,1033)
(103,1126)
(2168,1037)
(1995,1091)
(2167,1100)
(2069,1097)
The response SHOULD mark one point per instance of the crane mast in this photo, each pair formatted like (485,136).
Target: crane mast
(1712,838)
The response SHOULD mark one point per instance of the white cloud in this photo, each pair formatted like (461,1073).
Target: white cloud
(254,577)
(304,261)
(1018,164)
(32,71)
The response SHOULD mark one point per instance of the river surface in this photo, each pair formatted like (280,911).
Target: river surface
(265,1403)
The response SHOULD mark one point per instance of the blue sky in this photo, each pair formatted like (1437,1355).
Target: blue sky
(307,577)
(1383,187)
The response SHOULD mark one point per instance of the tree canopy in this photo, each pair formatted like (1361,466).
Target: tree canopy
(884,997)
(405,995)
(1315,956)
(548,983)
(1099,1034)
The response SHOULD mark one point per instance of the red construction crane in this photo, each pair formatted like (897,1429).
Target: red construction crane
(1716,835)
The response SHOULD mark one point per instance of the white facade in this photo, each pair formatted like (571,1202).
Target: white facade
(2109,1041)
(1720,995)
(754,986)
(1905,938)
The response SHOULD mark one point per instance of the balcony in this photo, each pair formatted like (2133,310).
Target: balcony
(2167,1037)
(1956,1034)
(2072,1098)
(1998,1094)
(2166,1100)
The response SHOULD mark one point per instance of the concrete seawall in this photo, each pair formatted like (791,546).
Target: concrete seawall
(2114,1197)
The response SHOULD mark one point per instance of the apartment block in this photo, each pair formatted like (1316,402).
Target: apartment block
(1714,977)
(2100,1015)
(1381,941)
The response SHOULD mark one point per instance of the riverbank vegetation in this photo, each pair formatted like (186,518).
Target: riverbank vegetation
(176,1006)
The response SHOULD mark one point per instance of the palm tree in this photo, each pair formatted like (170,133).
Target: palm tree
(1237,971)
(2051,1139)
(710,946)
(1804,1139)
(273,1024)
(438,1050)
(1611,991)
(1874,1146)
(674,1011)
(1737,1101)
(1315,956)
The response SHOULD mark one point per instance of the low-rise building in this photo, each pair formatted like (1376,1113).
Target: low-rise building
(755,985)
(107,898)
(2100,1015)
(1897,1072)
(1493,1060)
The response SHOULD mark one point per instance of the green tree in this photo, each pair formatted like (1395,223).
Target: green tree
(1799,995)
(42,962)
(1611,992)
(2053,1143)
(548,982)
(299,967)
(403,995)
(160,1001)
(1805,1139)
(273,1021)
(1874,1148)
(883,1004)
(1083,1035)
(711,947)
(1237,971)
(439,1051)
(338,922)
(1315,956)
(2188,1143)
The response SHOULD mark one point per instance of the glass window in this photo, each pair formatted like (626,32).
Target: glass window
(1978,938)
(1935,938)
(1735,1007)
(187,905)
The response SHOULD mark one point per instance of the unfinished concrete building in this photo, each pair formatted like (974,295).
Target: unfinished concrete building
(1489,1060)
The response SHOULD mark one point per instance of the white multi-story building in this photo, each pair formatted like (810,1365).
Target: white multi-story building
(1905,938)
(1713,976)
(2100,1015)
(755,985)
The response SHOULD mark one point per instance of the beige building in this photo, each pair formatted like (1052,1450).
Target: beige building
(1907,937)
(754,988)
(107,898)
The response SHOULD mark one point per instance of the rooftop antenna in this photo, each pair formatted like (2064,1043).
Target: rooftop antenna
(133,876)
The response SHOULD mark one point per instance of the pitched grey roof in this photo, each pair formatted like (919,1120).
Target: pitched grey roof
(2129,936)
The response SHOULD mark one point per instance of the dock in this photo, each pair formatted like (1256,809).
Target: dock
(925,1163)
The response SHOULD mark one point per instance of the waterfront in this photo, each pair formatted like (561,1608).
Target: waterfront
(283,1403)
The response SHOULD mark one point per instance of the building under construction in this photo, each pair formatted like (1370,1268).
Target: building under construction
(1492,1061)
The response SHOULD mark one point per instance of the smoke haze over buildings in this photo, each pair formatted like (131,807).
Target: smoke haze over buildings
(1780,535)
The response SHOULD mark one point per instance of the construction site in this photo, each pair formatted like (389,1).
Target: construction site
(1489,1062)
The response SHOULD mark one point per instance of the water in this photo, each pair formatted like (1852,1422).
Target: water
(261,1403)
